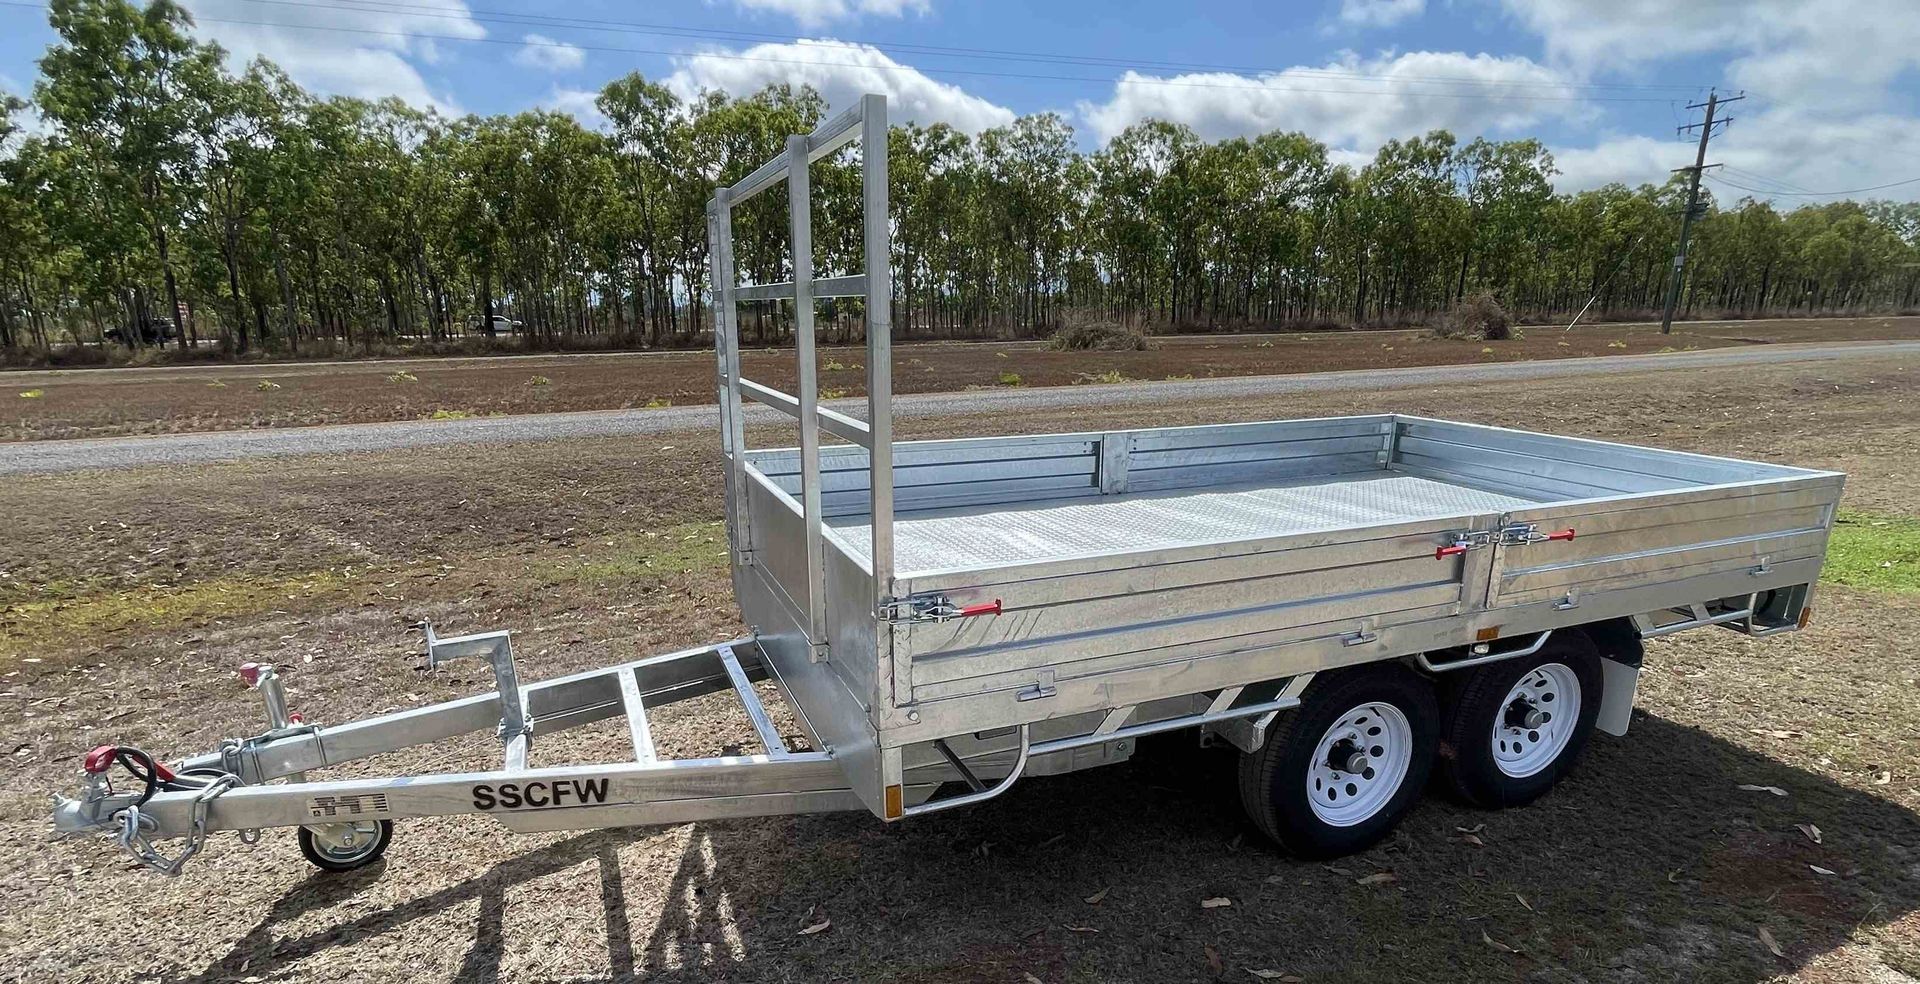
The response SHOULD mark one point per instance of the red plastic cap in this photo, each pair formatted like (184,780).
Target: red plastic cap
(1441,553)
(984,608)
(250,672)
(99,759)
(1566,534)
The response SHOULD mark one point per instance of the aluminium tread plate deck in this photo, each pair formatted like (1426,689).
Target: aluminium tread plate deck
(1006,534)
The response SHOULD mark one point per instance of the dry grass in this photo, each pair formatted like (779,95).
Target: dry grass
(1647,864)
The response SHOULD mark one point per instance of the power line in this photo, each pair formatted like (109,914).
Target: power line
(495,15)
(1747,175)
(1176,83)
(1816,194)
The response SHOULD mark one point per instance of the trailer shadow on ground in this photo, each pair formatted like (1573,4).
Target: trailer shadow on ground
(1649,863)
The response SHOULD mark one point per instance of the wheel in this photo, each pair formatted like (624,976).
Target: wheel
(1513,728)
(345,846)
(1337,774)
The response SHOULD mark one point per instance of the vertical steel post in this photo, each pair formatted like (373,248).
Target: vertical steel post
(878,248)
(800,205)
(726,345)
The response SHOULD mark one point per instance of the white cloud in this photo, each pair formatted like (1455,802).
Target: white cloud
(1795,151)
(1379,13)
(374,60)
(842,72)
(1398,97)
(1827,107)
(578,103)
(816,13)
(1833,53)
(544,52)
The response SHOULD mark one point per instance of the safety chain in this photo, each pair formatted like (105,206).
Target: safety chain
(135,826)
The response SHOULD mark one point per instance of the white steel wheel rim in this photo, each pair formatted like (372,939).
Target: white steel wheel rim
(1383,735)
(1553,691)
(346,842)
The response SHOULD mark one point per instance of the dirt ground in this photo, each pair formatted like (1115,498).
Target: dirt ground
(98,403)
(127,598)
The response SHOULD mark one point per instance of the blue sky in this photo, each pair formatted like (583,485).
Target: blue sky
(1834,97)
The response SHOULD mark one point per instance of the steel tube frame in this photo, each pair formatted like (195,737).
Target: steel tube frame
(866,122)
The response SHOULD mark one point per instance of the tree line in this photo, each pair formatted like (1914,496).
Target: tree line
(164,199)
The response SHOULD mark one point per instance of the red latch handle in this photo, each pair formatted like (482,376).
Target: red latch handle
(1566,534)
(984,608)
(1451,550)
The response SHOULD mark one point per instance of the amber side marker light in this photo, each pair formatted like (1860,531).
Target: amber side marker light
(1487,634)
(893,803)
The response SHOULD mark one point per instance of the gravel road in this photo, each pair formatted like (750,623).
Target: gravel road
(31,457)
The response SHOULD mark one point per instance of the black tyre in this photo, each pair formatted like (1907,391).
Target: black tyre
(346,846)
(1337,774)
(1514,728)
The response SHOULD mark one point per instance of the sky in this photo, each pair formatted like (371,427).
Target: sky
(1832,87)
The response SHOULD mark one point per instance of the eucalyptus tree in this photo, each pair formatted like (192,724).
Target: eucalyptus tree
(126,87)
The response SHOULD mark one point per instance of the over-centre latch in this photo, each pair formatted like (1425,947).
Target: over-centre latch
(932,608)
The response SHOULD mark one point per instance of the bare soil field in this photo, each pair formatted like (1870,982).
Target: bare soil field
(127,598)
(100,403)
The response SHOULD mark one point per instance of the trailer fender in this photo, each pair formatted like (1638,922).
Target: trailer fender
(1621,654)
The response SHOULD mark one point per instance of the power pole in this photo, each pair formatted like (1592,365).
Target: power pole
(1712,104)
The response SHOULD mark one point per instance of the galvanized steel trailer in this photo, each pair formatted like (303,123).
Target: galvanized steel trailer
(1343,600)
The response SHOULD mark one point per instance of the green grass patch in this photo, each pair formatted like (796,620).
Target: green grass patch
(647,556)
(1874,551)
(29,626)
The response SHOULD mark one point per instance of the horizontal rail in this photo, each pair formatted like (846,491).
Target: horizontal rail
(849,286)
(831,136)
(833,421)
(1482,659)
(1285,702)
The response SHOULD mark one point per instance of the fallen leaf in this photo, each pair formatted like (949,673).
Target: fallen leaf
(819,927)
(1473,839)
(1496,944)
(1274,975)
(1772,944)
(1379,878)
(1095,898)
(1812,832)
(1215,903)
(1822,871)
(1524,903)
(1213,961)
(1476,828)
(1080,929)
(1032,979)
(1775,790)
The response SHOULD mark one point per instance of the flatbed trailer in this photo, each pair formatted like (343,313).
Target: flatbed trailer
(1345,601)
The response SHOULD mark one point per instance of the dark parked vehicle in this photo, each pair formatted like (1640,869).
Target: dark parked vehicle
(151,333)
